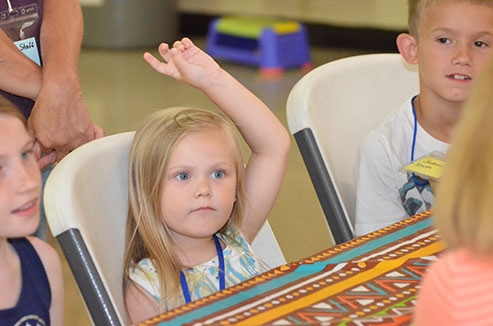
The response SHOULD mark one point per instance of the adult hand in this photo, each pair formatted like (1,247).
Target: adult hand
(59,120)
(43,161)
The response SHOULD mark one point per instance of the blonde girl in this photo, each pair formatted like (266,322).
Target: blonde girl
(458,288)
(193,207)
(31,283)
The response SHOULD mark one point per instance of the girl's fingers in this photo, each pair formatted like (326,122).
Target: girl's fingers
(179,45)
(150,59)
(178,60)
(187,42)
(155,63)
(163,49)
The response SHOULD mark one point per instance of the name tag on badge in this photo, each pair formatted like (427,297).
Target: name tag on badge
(29,48)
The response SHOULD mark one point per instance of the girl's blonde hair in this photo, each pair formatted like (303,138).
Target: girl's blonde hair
(147,236)
(416,11)
(464,213)
(7,108)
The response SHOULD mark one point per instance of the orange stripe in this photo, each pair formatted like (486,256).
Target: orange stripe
(380,268)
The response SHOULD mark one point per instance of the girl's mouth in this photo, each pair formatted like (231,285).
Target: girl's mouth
(27,209)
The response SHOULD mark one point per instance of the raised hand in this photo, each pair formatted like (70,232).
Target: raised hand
(187,63)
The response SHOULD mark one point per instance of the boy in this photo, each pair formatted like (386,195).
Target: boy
(451,41)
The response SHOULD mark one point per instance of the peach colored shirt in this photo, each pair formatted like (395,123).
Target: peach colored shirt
(457,290)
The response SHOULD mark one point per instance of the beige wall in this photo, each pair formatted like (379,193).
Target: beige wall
(386,14)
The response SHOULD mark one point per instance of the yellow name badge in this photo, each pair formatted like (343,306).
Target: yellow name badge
(429,166)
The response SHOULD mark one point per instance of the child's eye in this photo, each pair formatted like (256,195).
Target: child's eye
(26,154)
(480,44)
(443,40)
(182,176)
(218,174)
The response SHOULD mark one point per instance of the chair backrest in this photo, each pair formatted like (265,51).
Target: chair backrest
(329,112)
(86,205)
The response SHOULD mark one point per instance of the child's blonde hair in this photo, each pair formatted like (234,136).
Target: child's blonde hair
(147,236)
(416,11)
(7,108)
(464,212)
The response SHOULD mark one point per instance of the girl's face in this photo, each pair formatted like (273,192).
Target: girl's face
(199,186)
(20,180)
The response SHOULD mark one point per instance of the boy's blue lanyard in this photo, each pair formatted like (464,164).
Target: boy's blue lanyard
(222,277)
(414,143)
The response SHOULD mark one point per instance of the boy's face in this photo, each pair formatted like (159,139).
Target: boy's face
(20,180)
(455,39)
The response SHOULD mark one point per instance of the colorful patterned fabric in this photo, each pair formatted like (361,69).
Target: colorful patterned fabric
(457,290)
(371,280)
(239,261)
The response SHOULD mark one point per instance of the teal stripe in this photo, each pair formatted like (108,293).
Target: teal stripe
(300,272)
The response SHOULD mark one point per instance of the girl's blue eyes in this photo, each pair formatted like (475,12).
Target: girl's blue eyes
(26,154)
(184,176)
(218,174)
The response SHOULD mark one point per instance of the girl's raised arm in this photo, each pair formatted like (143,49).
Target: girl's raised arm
(264,133)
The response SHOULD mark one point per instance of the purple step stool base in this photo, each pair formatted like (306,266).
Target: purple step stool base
(275,52)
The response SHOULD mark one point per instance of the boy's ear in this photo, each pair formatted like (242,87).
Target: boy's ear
(408,47)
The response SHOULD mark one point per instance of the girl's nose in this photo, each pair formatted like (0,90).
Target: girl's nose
(28,178)
(202,188)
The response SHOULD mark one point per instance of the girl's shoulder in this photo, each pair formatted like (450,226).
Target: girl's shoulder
(37,252)
(46,253)
(145,275)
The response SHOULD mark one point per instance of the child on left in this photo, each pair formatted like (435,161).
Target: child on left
(31,284)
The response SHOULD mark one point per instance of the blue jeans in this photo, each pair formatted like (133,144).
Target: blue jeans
(43,225)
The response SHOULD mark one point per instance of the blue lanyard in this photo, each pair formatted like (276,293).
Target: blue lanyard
(414,143)
(222,274)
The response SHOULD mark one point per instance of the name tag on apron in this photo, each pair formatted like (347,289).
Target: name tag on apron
(29,48)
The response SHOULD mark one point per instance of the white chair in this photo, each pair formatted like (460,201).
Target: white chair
(329,112)
(86,205)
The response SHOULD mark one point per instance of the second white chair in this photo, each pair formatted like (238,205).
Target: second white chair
(330,110)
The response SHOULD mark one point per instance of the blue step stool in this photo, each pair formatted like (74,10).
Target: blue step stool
(271,45)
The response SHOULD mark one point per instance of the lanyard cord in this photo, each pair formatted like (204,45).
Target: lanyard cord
(221,272)
(414,143)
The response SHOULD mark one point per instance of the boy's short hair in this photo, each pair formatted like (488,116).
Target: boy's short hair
(416,9)
(7,108)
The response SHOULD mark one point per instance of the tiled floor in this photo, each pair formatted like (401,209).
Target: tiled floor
(120,90)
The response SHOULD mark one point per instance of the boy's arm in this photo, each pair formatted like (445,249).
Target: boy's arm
(60,119)
(377,196)
(53,268)
(18,74)
(266,136)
